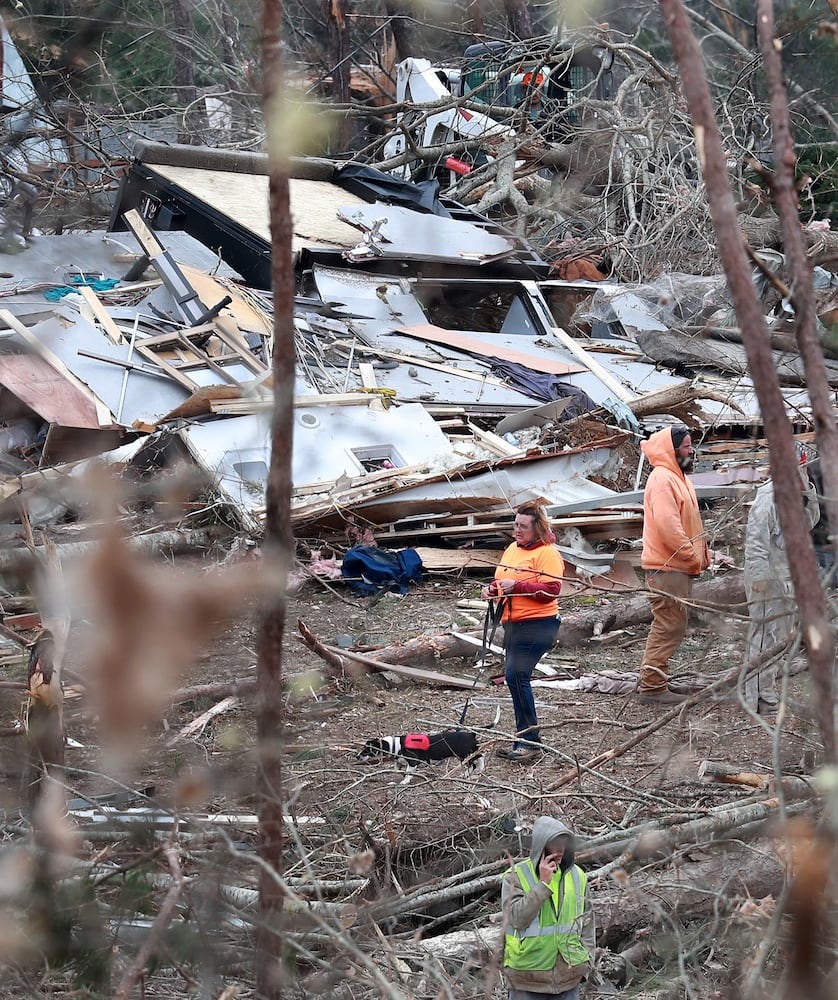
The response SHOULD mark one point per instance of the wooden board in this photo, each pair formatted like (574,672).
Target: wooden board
(471,345)
(48,392)
(104,415)
(100,314)
(245,316)
(454,559)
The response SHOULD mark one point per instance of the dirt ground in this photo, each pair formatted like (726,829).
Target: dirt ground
(359,820)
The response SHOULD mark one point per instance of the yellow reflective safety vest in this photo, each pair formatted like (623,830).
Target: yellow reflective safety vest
(556,928)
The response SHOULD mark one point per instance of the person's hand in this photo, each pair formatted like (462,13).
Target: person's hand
(759,586)
(547,867)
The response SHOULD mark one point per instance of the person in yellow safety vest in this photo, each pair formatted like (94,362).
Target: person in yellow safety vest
(550,926)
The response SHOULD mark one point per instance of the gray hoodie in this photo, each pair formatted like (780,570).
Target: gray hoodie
(544,831)
(520,908)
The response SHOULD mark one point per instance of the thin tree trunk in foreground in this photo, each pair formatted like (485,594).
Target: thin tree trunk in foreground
(809,893)
(802,292)
(277,548)
(804,569)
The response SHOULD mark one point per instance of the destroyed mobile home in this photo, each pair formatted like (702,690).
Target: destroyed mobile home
(425,407)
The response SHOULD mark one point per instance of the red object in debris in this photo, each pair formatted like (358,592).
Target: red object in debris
(458,166)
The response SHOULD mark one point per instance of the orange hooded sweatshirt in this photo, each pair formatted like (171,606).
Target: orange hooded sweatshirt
(673,535)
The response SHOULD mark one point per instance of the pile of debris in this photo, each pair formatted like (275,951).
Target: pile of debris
(426,407)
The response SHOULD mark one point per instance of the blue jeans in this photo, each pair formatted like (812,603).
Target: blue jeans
(524,644)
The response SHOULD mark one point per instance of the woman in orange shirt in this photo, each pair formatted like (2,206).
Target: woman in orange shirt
(528,579)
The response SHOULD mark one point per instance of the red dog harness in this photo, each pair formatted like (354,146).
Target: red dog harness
(416,741)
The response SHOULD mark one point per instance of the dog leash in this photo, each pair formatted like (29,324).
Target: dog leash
(491,620)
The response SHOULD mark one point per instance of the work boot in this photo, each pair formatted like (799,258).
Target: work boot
(664,697)
(521,755)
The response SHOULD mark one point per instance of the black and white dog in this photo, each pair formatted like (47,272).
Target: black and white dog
(412,749)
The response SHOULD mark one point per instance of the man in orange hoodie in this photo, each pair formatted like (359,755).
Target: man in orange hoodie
(674,552)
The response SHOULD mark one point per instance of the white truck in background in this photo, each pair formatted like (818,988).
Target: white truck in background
(543,83)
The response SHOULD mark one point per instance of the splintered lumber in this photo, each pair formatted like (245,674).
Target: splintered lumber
(594,367)
(728,774)
(495,443)
(412,359)
(454,559)
(101,314)
(384,478)
(358,490)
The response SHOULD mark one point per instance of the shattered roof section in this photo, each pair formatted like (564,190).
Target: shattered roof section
(330,444)
(396,233)
(315,205)
(222,196)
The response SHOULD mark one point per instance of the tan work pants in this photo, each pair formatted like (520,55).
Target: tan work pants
(669,626)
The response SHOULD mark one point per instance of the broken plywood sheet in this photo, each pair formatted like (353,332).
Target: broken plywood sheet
(243,198)
(50,394)
(445,560)
(26,340)
(131,395)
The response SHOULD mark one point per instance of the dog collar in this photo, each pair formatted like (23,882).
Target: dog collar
(416,741)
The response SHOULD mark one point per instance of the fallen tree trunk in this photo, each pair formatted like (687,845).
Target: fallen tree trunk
(676,349)
(721,884)
(221,689)
(677,399)
(425,649)
(726,592)
(23,559)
